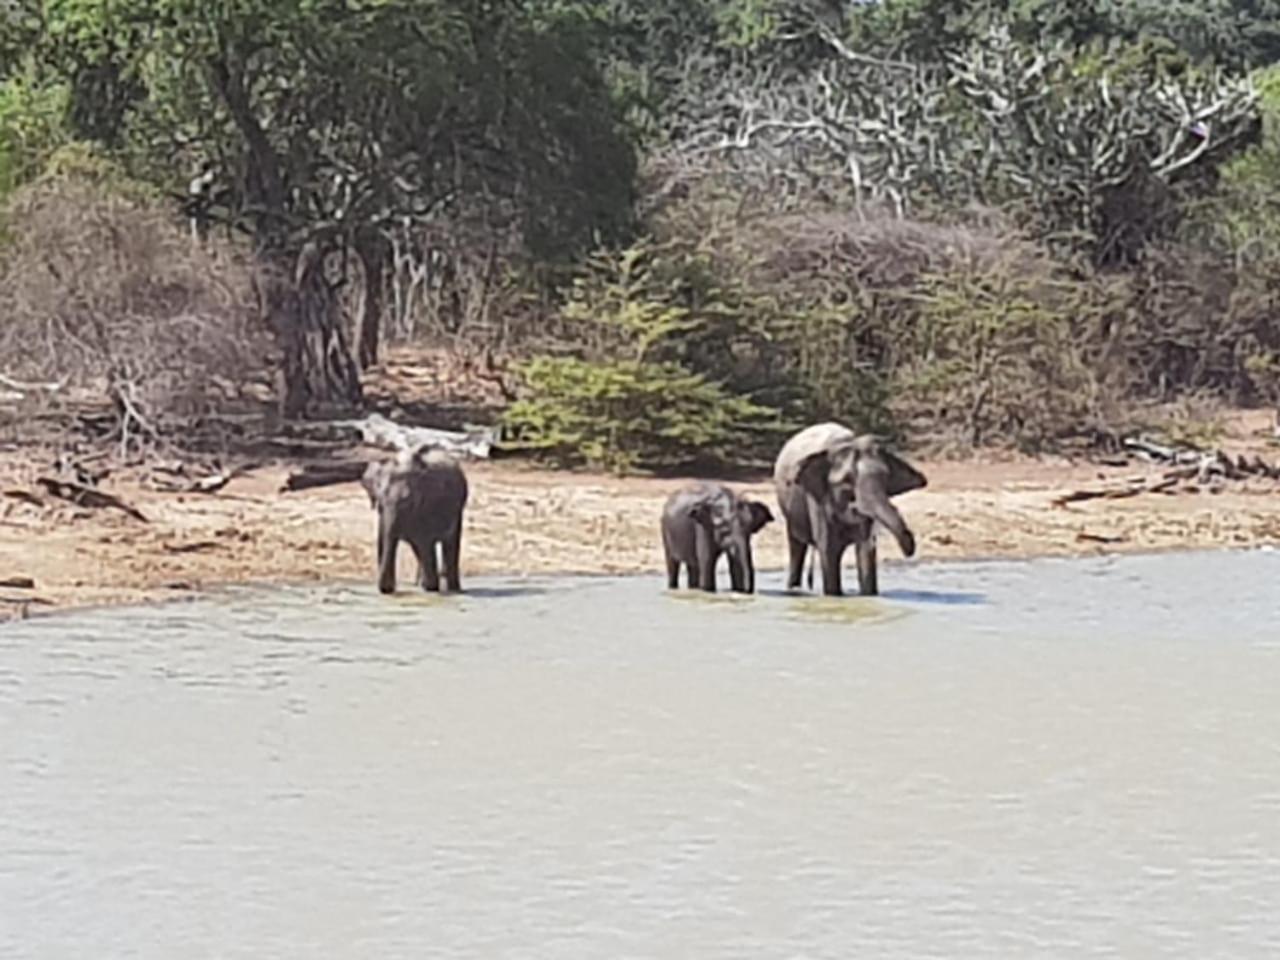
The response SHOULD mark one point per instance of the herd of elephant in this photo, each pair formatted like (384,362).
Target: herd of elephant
(833,488)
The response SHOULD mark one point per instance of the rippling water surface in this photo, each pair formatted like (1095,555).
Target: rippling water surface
(1054,759)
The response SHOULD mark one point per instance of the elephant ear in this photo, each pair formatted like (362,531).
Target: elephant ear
(902,475)
(712,514)
(758,514)
(701,513)
(812,472)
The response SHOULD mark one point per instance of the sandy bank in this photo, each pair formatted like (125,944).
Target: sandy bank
(527,521)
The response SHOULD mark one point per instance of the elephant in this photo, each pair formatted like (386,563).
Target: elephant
(704,520)
(832,488)
(420,497)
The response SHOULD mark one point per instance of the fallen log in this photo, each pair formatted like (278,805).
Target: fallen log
(1129,488)
(83,496)
(26,496)
(210,484)
(17,583)
(325,474)
(25,599)
(377,431)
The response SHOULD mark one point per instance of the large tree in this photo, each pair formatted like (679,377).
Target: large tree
(322,124)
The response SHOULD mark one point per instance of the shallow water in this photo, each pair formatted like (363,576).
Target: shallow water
(1050,759)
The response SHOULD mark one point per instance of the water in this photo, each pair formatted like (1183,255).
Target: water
(1057,759)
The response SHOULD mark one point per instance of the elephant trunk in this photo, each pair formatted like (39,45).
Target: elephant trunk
(873,501)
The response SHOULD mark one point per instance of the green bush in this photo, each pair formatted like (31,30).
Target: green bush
(626,414)
(998,356)
(31,128)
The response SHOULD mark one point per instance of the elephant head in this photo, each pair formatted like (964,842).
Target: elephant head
(854,479)
(731,522)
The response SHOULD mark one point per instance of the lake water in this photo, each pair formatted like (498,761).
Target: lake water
(999,760)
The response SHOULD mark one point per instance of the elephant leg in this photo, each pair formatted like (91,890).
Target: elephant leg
(796,551)
(387,541)
(420,549)
(707,573)
(691,575)
(673,573)
(868,575)
(829,554)
(705,555)
(451,554)
(737,576)
(430,567)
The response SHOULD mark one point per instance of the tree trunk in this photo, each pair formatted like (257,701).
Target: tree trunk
(373,260)
(318,376)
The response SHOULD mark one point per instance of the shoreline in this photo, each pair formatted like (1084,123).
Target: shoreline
(525,521)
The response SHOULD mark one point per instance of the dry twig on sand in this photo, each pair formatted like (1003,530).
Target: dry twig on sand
(83,496)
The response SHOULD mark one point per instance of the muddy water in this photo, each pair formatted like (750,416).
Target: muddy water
(1057,759)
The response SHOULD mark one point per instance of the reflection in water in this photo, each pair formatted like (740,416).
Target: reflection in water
(1056,759)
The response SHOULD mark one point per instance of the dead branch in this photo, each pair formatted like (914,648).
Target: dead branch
(325,474)
(209,485)
(83,496)
(25,496)
(1131,487)
(23,386)
(197,546)
(1085,537)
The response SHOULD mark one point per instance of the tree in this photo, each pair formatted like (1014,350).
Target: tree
(326,123)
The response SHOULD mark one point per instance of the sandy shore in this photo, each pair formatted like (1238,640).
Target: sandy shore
(527,521)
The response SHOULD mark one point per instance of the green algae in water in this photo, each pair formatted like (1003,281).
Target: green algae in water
(843,610)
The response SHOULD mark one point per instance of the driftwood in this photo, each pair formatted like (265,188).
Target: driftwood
(209,484)
(17,583)
(1130,487)
(325,474)
(196,546)
(1196,469)
(83,496)
(1085,537)
(25,496)
(377,431)
(25,599)
(1208,462)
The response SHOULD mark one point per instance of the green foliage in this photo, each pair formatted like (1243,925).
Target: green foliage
(31,127)
(999,355)
(625,415)
(324,118)
(1243,214)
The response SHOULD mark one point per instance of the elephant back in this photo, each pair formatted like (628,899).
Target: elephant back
(810,440)
(436,474)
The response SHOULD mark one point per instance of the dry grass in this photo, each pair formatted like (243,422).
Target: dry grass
(107,296)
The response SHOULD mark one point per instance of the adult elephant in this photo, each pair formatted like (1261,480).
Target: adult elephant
(420,497)
(832,487)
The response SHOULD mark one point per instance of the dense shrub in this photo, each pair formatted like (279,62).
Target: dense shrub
(628,414)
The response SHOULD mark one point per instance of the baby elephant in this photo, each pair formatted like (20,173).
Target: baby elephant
(419,496)
(703,521)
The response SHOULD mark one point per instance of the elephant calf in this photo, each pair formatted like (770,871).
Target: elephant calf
(419,496)
(703,521)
